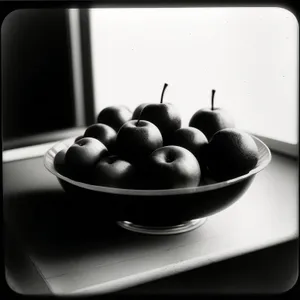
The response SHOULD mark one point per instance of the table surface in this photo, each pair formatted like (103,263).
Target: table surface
(75,257)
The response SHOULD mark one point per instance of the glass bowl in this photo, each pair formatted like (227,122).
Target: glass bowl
(160,212)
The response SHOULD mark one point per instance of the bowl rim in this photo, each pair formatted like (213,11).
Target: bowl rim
(48,161)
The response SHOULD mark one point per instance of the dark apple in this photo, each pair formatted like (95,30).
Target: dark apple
(164,115)
(59,162)
(172,167)
(137,139)
(113,171)
(138,110)
(103,133)
(115,116)
(211,120)
(193,140)
(82,157)
(230,153)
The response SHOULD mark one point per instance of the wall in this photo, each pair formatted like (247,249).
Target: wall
(37,81)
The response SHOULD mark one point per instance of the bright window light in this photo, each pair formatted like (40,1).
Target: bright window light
(248,55)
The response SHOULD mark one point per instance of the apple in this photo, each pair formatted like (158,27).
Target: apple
(59,162)
(231,153)
(113,171)
(104,133)
(137,139)
(193,140)
(164,115)
(211,120)
(138,110)
(172,167)
(115,116)
(82,157)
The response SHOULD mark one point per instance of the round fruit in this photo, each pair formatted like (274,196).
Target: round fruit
(163,115)
(191,139)
(171,167)
(137,139)
(138,110)
(113,171)
(82,156)
(115,116)
(103,133)
(231,153)
(210,120)
(59,162)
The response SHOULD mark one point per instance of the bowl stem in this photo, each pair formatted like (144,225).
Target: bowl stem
(163,230)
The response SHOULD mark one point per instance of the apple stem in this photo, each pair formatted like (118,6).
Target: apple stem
(137,123)
(212,99)
(163,91)
(140,115)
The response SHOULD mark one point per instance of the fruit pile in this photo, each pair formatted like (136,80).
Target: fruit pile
(149,149)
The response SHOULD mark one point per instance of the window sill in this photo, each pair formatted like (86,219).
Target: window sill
(276,146)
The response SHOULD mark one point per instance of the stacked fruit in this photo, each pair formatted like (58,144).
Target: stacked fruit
(149,149)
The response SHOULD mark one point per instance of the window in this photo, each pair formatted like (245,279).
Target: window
(248,55)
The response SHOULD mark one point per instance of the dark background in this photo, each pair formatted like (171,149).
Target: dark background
(37,75)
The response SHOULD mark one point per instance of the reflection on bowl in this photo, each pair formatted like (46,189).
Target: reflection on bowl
(158,211)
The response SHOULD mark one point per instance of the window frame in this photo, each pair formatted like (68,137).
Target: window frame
(80,52)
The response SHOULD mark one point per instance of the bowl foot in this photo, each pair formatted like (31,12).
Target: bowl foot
(163,230)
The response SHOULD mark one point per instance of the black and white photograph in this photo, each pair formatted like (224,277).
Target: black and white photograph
(150,150)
